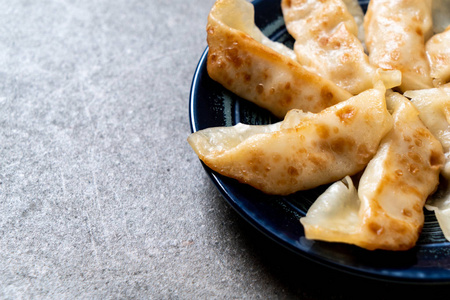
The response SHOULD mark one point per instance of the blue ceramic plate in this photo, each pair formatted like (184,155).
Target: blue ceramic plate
(278,217)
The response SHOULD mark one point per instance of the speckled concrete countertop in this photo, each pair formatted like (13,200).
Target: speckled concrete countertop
(101,197)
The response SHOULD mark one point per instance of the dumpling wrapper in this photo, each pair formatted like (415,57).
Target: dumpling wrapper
(438,53)
(386,212)
(434,107)
(326,42)
(440,205)
(301,152)
(266,73)
(396,32)
(358,14)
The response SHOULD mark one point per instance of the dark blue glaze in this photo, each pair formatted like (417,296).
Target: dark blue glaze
(278,217)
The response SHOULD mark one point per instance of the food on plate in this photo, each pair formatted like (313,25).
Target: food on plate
(342,124)
(326,42)
(386,211)
(434,107)
(358,14)
(304,150)
(266,73)
(396,32)
(438,53)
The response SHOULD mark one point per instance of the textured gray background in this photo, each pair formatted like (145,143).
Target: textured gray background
(100,194)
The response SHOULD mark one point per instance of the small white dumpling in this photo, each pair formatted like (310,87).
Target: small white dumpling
(434,107)
(386,212)
(264,72)
(303,151)
(396,32)
(438,53)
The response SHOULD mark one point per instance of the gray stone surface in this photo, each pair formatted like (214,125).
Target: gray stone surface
(101,197)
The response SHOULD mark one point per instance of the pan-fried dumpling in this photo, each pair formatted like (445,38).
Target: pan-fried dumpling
(248,64)
(386,212)
(396,31)
(434,107)
(358,14)
(303,151)
(438,53)
(326,42)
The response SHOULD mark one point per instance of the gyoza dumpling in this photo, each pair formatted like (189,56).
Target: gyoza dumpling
(387,210)
(396,31)
(438,52)
(303,151)
(434,107)
(326,42)
(248,64)
(358,14)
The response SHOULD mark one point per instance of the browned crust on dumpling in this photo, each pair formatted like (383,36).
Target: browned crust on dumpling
(326,42)
(396,32)
(260,74)
(307,150)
